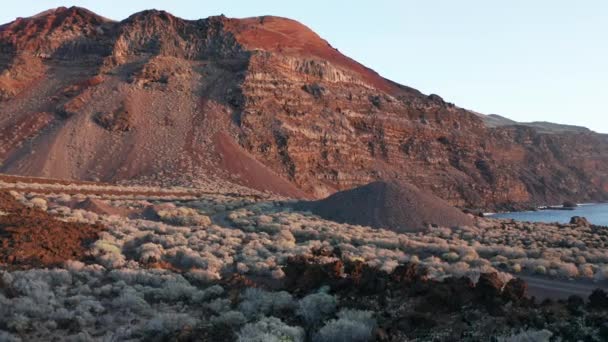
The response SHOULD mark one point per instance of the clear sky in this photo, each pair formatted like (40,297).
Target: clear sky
(525,59)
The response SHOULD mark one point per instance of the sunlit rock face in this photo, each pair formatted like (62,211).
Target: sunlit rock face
(264,102)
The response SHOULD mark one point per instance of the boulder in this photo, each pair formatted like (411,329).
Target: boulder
(580,221)
(598,300)
(408,273)
(489,285)
(304,275)
(515,290)
(450,295)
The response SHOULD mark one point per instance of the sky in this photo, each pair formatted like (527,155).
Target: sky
(541,60)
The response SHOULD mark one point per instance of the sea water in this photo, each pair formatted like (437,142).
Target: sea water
(596,214)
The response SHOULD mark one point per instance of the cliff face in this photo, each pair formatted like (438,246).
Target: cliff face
(264,102)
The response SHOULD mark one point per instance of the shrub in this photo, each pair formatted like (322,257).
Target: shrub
(219,305)
(278,274)
(450,257)
(528,336)
(242,268)
(601,274)
(165,325)
(258,303)
(209,293)
(317,307)
(18,323)
(540,269)
(363,317)
(130,300)
(459,269)
(270,329)
(568,270)
(586,270)
(107,254)
(351,325)
(183,217)
(39,203)
(231,318)
(7,337)
(150,252)
(204,276)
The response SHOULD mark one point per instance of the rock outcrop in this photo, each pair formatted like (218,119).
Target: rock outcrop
(309,115)
(30,237)
(579,221)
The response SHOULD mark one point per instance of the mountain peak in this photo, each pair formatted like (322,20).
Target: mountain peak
(45,32)
(150,14)
(62,13)
(290,37)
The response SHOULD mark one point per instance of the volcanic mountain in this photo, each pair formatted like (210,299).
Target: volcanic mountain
(263,102)
(398,206)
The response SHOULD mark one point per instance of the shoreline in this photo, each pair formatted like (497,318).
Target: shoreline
(559,207)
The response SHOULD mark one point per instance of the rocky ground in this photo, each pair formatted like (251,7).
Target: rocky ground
(33,238)
(157,264)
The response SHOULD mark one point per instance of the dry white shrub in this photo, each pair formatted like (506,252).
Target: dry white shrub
(351,325)
(528,336)
(270,329)
(257,302)
(260,237)
(39,203)
(317,307)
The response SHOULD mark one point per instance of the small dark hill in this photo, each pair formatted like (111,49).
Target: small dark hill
(397,206)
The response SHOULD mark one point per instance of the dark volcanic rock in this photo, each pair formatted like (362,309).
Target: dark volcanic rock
(580,221)
(489,285)
(515,290)
(448,295)
(31,237)
(117,121)
(575,303)
(408,273)
(598,299)
(409,306)
(394,205)
(302,275)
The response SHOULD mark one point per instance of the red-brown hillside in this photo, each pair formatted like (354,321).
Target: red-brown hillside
(289,37)
(48,31)
(144,100)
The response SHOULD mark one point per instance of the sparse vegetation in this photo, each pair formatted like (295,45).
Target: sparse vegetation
(197,240)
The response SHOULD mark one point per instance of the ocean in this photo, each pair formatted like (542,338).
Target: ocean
(596,214)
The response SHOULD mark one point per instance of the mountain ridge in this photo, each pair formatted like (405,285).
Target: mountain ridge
(495,120)
(154,98)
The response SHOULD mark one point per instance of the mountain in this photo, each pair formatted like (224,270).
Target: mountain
(263,102)
(495,120)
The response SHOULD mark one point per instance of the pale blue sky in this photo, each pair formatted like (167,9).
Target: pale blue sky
(527,60)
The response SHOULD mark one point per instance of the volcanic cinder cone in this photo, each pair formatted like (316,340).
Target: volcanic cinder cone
(393,205)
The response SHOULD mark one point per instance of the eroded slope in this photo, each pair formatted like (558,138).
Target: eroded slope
(149,99)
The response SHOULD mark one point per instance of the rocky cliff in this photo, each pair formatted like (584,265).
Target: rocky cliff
(264,102)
